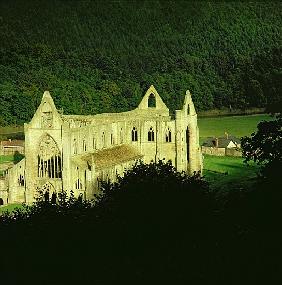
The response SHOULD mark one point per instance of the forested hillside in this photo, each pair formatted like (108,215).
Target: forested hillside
(100,56)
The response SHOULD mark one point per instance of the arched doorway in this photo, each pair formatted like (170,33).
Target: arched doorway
(1,202)
(48,191)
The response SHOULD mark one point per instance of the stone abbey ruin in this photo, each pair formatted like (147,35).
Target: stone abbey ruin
(74,152)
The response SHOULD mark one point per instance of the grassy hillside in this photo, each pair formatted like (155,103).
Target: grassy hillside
(100,56)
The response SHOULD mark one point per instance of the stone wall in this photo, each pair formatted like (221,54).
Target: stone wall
(218,151)
(76,140)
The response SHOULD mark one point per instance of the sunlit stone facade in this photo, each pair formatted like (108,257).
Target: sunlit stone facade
(74,152)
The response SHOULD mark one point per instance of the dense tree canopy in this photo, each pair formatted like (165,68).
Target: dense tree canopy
(100,56)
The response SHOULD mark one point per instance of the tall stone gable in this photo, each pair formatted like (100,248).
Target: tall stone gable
(73,152)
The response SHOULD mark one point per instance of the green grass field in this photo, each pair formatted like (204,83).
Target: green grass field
(227,173)
(10,207)
(6,158)
(238,126)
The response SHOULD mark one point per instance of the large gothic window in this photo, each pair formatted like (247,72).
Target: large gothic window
(49,159)
(134,135)
(151,135)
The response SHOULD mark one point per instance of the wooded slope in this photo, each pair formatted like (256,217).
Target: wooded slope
(98,56)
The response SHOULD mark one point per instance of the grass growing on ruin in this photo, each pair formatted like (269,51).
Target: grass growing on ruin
(238,126)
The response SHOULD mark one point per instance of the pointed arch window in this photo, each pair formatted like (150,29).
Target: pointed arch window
(74,146)
(94,143)
(151,135)
(168,135)
(84,145)
(103,140)
(152,101)
(49,159)
(134,135)
(121,135)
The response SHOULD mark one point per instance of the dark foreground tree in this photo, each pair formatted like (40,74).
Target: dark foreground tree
(265,148)
(154,225)
(145,228)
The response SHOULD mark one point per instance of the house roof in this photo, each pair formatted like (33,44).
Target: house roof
(108,157)
(12,143)
(223,142)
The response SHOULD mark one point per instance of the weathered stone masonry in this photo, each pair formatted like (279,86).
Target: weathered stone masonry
(71,152)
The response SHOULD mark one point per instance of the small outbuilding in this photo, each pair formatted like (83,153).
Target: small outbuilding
(10,147)
(221,146)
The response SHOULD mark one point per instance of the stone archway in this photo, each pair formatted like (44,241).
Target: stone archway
(48,190)
(1,202)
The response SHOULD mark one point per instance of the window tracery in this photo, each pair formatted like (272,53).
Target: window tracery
(49,159)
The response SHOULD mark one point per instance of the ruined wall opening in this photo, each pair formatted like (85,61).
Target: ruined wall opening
(152,101)
(103,140)
(74,146)
(187,143)
(151,135)
(46,189)
(121,136)
(84,145)
(168,135)
(1,202)
(134,135)
(21,180)
(49,163)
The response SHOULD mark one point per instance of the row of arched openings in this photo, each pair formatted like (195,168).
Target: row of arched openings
(134,138)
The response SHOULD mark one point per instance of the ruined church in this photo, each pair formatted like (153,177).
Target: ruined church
(74,152)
